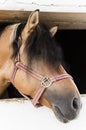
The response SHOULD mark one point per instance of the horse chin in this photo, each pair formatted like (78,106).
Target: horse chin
(59,115)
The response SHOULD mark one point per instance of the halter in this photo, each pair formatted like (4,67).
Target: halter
(45,81)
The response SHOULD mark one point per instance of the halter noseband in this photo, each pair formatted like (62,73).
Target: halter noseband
(45,81)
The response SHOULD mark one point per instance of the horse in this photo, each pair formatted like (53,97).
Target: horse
(31,60)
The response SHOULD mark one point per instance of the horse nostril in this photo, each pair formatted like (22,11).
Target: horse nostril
(75,104)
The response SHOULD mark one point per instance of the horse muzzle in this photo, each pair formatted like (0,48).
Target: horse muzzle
(67,111)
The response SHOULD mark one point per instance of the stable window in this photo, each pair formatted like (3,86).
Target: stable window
(73,43)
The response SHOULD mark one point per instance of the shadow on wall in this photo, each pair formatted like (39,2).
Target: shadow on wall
(73,44)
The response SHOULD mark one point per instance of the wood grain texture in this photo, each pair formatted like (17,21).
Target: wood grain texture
(66,14)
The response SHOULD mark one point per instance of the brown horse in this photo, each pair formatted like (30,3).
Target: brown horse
(31,60)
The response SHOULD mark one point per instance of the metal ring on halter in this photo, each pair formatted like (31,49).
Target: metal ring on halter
(46,82)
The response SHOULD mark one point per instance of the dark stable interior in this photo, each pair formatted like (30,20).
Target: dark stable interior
(73,43)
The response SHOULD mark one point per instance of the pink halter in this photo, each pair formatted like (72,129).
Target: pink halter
(45,81)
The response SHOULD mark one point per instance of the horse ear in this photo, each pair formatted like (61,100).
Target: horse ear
(53,30)
(33,20)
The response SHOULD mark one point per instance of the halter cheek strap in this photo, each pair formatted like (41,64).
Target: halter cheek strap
(45,81)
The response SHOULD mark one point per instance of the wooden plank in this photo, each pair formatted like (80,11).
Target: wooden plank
(63,20)
(66,14)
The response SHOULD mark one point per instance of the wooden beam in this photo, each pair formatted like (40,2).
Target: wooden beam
(63,20)
(67,15)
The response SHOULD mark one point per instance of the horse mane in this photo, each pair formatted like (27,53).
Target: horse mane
(40,45)
(15,44)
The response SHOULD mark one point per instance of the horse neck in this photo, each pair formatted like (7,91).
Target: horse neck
(6,50)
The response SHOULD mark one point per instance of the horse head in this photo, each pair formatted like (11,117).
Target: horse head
(40,65)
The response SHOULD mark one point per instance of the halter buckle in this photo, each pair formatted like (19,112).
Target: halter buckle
(46,82)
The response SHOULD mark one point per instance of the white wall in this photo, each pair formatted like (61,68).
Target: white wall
(21,115)
(45,5)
